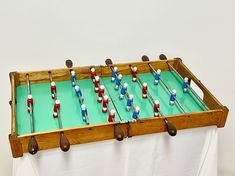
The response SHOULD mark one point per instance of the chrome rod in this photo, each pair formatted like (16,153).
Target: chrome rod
(199,98)
(163,82)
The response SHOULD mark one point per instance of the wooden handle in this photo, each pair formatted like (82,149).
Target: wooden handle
(172,131)
(33,146)
(118,133)
(162,57)
(108,62)
(145,58)
(69,63)
(64,142)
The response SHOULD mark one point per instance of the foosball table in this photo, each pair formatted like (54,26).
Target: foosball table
(75,105)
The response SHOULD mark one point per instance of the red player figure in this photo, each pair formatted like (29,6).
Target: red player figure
(56,108)
(100,93)
(53,90)
(30,102)
(156,108)
(134,74)
(144,90)
(96,83)
(105,103)
(111,115)
(93,74)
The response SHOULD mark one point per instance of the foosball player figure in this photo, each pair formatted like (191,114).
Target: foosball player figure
(56,108)
(111,115)
(114,74)
(185,85)
(84,112)
(93,74)
(105,103)
(173,97)
(156,108)
(78,92)
(29,102)
(129,103)
(134,74)
(136,113)
(96,83)
(123,91)
(53,90)
(100,93)
(118,81)
(73,78)
(157,76)
(144,90)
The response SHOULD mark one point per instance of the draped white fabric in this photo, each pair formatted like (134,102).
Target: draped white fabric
(192,152)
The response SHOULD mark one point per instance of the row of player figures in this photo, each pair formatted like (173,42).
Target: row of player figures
(105,99)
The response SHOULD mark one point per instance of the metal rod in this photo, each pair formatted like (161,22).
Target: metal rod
(163,82)
(81,102)
(31,108)
(150,98)
(58,111)
(101,76)
(199,98)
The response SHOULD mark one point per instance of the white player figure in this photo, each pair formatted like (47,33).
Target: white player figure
(144,90)
(185,85)
(73,78)
(129,103)
(84,112)
(118,81)
(105,103)
(30,102)
(157,76)
(134,74)
(114,74)
(96,83)
(100,93)
(136,113)
(53,90)
(56,108)
(111,115)
(173,97)
(123,91)
(156,108)
(78,92)
(93,74)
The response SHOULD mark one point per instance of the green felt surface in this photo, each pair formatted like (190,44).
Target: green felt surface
(71,110)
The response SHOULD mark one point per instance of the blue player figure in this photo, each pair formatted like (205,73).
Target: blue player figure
(173,97)
(84,113)
(78,92)
(129,103)
(73,78)
(157,76)
(118,81)
(136,113)
(123,91)
(185,85)
(114,74)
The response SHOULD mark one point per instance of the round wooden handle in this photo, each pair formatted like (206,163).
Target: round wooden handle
(145,58)
(172,131)
(64,142)
(108,62)
(33,146)
(69,63)
(118,133)
(162,57)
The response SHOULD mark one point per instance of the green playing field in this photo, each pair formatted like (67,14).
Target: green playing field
(71,110)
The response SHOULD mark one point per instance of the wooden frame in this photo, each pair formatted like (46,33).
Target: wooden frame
(216,115)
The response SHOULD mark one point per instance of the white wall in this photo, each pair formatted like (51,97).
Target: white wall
(42,34)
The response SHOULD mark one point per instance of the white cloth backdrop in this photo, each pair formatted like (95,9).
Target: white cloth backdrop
(192,152)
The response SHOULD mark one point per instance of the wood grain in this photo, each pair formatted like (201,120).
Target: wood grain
(217,114)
